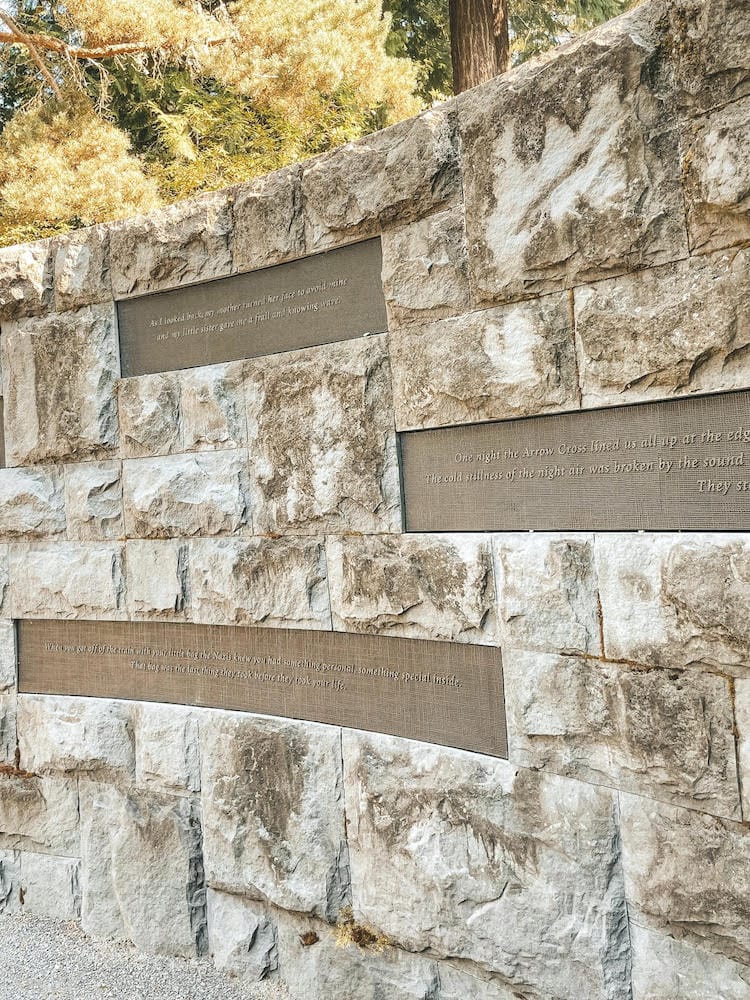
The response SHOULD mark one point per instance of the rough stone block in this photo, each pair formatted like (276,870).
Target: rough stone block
(500,866)
(93,501)
(8,728)
(67,580)
(59,374)
(39,814)
(664,734)
(687,330)
(25,280)
(149,408)
(5,608)
(50,886)
(321,440)
(271,582)
(742,710)
(396,175)
(157,579)
(10,878)
(185,495)
(212,408)
(491,365)
(82,269)
(418,586)
(287,848)
(32,504)
(166,747)
(268,226)
(242,937)
(7,655)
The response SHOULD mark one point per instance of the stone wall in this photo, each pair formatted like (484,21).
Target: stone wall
(573,234)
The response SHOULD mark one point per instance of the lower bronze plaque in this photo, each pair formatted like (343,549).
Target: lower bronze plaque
(675,465)
(440,692)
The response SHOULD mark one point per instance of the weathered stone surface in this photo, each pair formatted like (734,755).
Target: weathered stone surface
(5,609)
(271,582)
(25,280)
(664,734)
(490,365)
(425,267)
(670,330)
(570,171)
(547,592)
(67,580)
(7,655)
(186,495)
(395,175)
(75,735)
(512,869)
(50,886)
(242,937)
(82,269)
(212,408)
(181,244)
(8,728)
(149,408)
(418,586)
(287,847)
(676,600)
(166,747)
(10,872)
(742,710)
(157,579)
(142,876)
(321,441)
(93,501)
(59,373)
(460,984)
(39,814)
(31,503)
(688,874)
(268,226)
(716,150)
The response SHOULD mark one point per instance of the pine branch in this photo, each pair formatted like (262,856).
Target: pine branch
(34,42)
(29,42)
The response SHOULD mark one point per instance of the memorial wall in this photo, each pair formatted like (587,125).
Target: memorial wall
(373,548)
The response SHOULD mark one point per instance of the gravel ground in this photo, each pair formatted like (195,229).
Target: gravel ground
(44,960)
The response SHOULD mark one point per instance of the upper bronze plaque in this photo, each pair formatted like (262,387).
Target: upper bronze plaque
(321,299)
(676,465)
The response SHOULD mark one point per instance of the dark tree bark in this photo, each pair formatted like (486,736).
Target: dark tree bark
(480,47)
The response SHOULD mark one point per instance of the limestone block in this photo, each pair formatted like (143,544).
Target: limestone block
(186,495)
(500,866)
(268,226)
(664,734)
(10,877)
(509,362)
(67,580)
(287,848)
(716,175)
(460,984)
(212,408)
(166,747)
(321,440)
(398,174)
(32,504)
(82,269)
(688,874)
(742,710)
(8,728)
(25,280)
(93,501)
(425,267)
(149,408)
(157,579)
(178,245)
(59,373)
(676,600)
(570,171)
(50,886)
(670,330)
(547,592)
(242,937)
(274,582)
(39,814)
(141,871)
(7,655)
(418,586)
(5,609)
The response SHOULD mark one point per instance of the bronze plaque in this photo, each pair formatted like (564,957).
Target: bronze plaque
(441,692)
(675,465)
(320,299)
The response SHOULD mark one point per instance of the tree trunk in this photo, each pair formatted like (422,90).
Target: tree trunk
(480,46)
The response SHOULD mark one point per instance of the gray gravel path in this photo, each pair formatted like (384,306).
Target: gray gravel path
(44,960)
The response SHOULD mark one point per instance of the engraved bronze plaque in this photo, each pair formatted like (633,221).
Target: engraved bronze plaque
(441,692)
(675,465)
(320,299)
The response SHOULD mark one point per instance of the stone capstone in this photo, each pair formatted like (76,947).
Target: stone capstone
(25,280)
(268,225)
(82,269)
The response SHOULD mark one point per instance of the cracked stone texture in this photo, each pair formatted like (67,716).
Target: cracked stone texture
(5,608)
(675,600)
(167,747)
(149,408)
(396,175)
(39,885)
(287,848)
(157,579)
(321,440)
(716,175)
(243,940)
(268,225)
(671,330)
(82,269)
(25,280)
(275,582)
(688,874)
(93,501)
(186,495)
(212,408)
(664,734)
(514,870)
(31,503)
(39,814)
(742,710)
(8,729)
(68,580)
(491,365)
(178,245)
(142,874)
(547,592)
(417,586)
(59,374)
(570,171)
(7,655)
